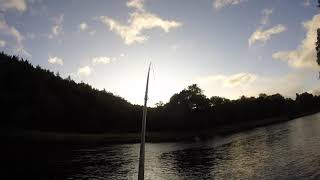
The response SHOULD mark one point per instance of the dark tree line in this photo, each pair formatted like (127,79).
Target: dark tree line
(32,97)
(191,110)
(35,98)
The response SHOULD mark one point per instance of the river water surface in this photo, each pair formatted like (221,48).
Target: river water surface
(289,150)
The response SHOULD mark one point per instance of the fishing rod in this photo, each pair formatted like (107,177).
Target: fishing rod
(143,131)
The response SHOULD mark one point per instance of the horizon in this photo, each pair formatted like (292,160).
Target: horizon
(109,45)
(56,74)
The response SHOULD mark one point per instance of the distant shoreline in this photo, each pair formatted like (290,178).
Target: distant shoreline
(57,138)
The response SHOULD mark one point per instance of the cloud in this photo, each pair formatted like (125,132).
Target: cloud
(304,56)
(240,79)
(84,71)
(84,27)
(235,80)
(265,16)
(138,4)
(2,43)
(263,36)
(275,84)
(55,60)
(139,21)
(22,51)
(14,33)
(315,91)
(248,84)
(19,5)
(218,4)
(101,60)
(56,29)
(11,31)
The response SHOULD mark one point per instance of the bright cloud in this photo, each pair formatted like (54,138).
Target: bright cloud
(248,84)
(84,27)
(55,60)
(263,36)
(101,60)
(84,71)
(14,33)
(235,80)
(10,30)
(138,4)
(19,5)
(315,92)
(218,4)
(2,43)
(56,29)
(275,84)
(304,56)
(138,22)
(240,79)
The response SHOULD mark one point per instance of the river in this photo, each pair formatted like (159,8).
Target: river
(290,150)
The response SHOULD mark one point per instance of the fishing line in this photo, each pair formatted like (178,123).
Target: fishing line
(154,76)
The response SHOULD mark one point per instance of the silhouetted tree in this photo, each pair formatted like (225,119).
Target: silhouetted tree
(216,101)
(159,104)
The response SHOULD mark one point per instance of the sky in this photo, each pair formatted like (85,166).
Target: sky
(229,48)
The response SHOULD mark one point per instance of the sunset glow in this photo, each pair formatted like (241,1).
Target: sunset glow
(229,48)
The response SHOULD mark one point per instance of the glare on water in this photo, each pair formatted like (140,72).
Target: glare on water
(289,150)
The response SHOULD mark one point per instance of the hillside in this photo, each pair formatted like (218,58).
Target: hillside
(34,98)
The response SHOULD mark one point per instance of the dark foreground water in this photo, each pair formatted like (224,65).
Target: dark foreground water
(289,150)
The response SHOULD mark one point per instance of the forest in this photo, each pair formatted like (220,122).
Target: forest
(33,98)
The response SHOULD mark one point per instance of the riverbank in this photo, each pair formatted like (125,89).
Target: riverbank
(120,138)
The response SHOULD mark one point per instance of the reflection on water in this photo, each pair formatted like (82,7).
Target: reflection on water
(283,151)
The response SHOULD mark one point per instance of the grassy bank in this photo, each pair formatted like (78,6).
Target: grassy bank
(154,137)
